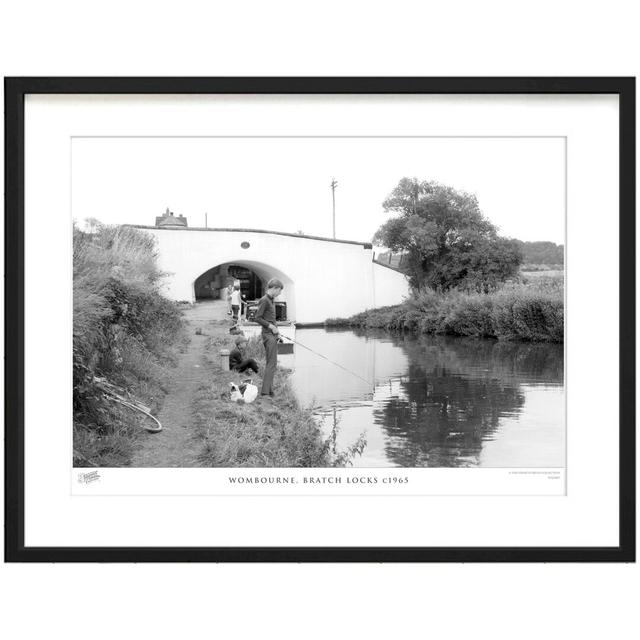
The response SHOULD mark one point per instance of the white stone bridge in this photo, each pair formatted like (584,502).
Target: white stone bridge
(323,278)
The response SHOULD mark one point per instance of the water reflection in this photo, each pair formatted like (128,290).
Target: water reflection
(436,401)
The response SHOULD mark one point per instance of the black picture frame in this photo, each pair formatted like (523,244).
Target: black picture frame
(15,91)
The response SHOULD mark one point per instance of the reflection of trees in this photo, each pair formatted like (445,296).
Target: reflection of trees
(515,361)
(454,394)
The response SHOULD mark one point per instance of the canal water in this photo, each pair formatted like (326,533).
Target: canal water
(425,401)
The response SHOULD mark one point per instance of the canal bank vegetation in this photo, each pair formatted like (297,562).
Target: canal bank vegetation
(520,311)
(271,433)
(125,334)
(465,278)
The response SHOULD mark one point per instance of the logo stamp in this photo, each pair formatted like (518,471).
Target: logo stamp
(87,478)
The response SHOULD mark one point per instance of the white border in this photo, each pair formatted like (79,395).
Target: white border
(587,516)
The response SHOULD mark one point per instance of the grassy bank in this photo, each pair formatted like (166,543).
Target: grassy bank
(530,311)
(278,433)
(124,332)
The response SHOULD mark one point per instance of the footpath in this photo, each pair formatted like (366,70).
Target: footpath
(178,445)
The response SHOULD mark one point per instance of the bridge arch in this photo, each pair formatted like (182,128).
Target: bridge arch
(212,282)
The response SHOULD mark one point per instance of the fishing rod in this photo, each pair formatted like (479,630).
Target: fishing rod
(353,373)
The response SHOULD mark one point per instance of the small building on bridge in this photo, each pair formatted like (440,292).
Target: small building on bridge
(323,277)
(169,221)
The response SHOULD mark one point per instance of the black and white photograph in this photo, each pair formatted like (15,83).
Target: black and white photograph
(318,301)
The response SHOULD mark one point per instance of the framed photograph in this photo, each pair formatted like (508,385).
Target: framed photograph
(320,319)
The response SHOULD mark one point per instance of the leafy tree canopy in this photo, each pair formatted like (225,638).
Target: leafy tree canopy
(448,241)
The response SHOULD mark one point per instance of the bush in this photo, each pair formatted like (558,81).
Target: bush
(123,331)
(470,316)
(529,315)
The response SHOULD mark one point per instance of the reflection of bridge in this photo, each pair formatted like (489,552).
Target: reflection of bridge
(323,278)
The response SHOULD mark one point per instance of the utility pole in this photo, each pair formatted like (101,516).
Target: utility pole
(334,184)
(206,224)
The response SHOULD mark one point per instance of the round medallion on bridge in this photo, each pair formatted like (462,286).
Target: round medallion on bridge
(245,245)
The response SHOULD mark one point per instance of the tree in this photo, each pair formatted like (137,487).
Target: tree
(542,252)
(448,241)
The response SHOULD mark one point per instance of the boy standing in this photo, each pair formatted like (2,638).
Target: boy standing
(266,316)
(237,361)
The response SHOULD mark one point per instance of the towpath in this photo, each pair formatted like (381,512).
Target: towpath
(176,445)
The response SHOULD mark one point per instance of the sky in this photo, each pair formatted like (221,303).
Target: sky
(283,184)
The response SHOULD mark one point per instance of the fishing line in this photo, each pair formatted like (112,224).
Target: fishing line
(327,359)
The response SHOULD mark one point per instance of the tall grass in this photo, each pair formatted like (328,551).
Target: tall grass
(528,310)
(124,331)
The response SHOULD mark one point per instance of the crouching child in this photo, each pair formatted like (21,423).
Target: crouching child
(237,360)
